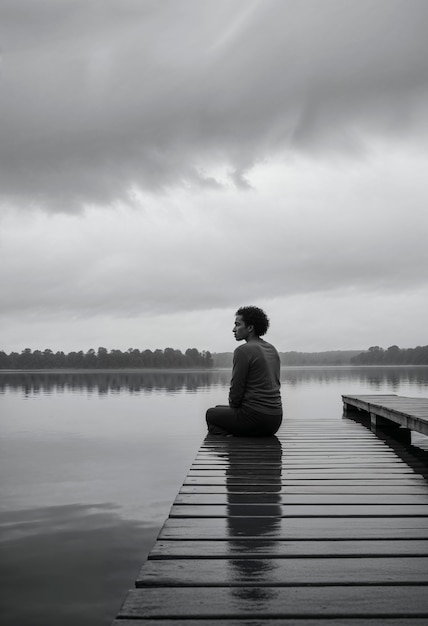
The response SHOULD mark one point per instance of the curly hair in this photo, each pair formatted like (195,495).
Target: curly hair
(256,317)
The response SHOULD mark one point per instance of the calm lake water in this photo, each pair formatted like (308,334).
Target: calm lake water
(91,462)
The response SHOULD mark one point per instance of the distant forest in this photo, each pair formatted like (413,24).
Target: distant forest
(331,357)
(105,359)
(373,356)
(169,358)
(392,356)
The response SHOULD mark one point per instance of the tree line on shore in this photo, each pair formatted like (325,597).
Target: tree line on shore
(293,358)
(373,356)
(393,355)
(103,358)
(192,358)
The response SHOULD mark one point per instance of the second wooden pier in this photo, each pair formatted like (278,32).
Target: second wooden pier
(407,413)
(324,524)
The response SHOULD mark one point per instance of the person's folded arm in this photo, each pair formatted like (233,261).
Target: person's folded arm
(239,379)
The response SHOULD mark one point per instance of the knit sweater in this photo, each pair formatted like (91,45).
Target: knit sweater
(255,383)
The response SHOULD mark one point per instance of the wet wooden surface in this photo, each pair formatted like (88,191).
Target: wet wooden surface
(323,522)
(394,621)
(409,413)
(257,621)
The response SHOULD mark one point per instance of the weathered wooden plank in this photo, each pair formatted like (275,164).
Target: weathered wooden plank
(300,444)
(326,427)
(283,499)
(403,406)
(271,572)
(380,491)
(402,403)
(320,450)
(411,480)
(362,472)
(317,451)
(278,602)
(374,398)
(295,528)
(288,459)
(298,441)
(316,436)
(328,470)
(259,548)
(249,621)
(297,462)
(408,412)
(304,468)
(304,447)
(302,462)
(314,439)
(290,510)
(316,448)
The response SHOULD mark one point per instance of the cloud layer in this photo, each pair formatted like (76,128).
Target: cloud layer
(100,99)
(321,233)
(162,163)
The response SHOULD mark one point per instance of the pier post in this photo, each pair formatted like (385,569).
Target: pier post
(373,421)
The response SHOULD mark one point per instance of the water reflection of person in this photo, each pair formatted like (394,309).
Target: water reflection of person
(255,407)
(253,517)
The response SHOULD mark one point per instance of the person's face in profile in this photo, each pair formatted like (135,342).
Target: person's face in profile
(240,330)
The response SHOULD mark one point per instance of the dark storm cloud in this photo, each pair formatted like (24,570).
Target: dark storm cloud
(99,99)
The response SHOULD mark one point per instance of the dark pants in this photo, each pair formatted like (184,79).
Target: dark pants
(223,420)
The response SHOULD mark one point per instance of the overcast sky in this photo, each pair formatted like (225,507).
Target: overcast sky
(163,162)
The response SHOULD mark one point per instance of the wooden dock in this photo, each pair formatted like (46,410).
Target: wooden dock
(407,413)
(324,524)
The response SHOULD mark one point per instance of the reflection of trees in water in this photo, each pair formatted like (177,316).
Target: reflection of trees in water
(111,382)
(263,521)
(138,381)
(372,376)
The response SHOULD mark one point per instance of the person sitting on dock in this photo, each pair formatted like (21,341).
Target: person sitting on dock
(255,407)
